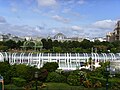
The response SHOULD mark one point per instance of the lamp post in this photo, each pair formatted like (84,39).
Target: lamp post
(107,75)
(36,77)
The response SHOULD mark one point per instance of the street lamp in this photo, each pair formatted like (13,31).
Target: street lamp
(107,75)
(36,77)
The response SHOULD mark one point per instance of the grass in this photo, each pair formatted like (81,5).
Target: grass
(12,87)
(64,86)
(53,86)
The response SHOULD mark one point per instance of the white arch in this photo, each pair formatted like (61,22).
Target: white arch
(1,57)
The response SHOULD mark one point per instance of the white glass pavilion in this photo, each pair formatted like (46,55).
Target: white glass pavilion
(66,61)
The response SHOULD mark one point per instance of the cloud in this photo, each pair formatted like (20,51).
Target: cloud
(76,28)
(36,10)
(14,6)
(14,9)
(66,10)
(2,19)
(68,31)
(47,3)
(60,19)
(81,2)
(20,30)
(99,28)
(96,29)
(104,24)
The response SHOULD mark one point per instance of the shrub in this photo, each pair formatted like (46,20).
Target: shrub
(87,83)
(43,73)
(73,80)
(50,66)
(76,78)
(55,77)
(115,86)
(101,80)
(97,84)
(115,83)
(19,82)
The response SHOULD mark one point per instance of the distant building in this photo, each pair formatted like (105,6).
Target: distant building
(115,35)
(28,38)
(101,39)
(6,37)
(61,37)
(1,37)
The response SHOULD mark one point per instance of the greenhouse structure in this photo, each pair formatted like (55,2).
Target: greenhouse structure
(66,61)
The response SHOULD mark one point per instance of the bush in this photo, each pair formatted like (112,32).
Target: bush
(98,84)
(50,66)
(87,83)
(115,86)
(117,75)
(19,82)
(55,77)
(73,80)
(115,83)
(76,78)
(101,80)
(43,73)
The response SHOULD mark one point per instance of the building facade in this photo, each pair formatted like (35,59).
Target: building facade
(115,35)
(6,37)
(61,37)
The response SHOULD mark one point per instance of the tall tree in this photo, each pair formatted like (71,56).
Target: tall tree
(10,44)
(44,43)
(50,46)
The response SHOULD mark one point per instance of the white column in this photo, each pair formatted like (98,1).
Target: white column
(9,57)
(114,56)
(39,65)
(28,59)
(6,56)
(23,58)
(70,64)
(20,57)
(103,57)
(14,58)
(2,57)
(42,59)
(31,58)
(76,60)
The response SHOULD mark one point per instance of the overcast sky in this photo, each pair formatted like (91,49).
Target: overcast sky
(73,18)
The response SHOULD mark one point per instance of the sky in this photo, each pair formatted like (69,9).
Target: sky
(73,18)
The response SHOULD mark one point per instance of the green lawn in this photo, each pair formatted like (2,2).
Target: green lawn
(12,87)
(64,86)
(54,86)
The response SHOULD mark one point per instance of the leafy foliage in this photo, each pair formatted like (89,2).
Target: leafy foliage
(55,77)
(84,46)
(19,82)
(76,78)
(50,66)
(43,73)
(87,83)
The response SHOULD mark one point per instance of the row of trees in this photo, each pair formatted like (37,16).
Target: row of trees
(67,46)
(10,44)
(84,46)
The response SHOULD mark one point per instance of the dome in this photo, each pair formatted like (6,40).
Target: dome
(59,36)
